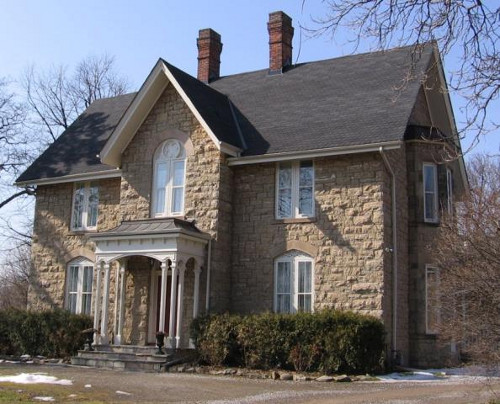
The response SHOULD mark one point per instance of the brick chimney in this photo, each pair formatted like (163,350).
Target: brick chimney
(209,50)
(280,41)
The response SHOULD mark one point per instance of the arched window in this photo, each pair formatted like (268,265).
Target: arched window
(293,283)
(79,278)
(169,179)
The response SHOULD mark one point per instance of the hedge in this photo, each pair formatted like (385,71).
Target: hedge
(327,341)
(55,333)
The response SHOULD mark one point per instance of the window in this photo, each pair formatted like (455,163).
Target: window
(85,206)
(449,190)
(295,190)
(432,310)
(293,283)
(430,193)
(79,286)
(169,179)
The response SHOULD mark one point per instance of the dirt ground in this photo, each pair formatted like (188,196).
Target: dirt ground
(104,386)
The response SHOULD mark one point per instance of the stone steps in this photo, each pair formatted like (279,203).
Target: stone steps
(124,357)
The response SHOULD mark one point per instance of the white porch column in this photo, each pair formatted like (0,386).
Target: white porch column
(97,302)
(196,298)
(121,306)
(173,295)
(180,305)
(115,313)
(163,296)
(105,306)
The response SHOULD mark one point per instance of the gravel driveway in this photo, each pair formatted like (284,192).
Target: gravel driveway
(118,386)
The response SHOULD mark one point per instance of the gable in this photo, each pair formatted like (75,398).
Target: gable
(205,104)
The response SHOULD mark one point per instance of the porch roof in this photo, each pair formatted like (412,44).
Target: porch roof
(171,238)
(146,227)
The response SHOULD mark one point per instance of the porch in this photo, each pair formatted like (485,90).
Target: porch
(148,277)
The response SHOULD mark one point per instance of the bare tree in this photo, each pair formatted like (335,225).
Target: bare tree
(56,98)
(15,278)
(468,31)
(53,100)
(468,254)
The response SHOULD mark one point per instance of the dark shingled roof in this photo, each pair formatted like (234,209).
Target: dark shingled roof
(213,106)
(352,100)
(149,227)
(76,150)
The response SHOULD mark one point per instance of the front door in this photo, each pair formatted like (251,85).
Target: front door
(154,310)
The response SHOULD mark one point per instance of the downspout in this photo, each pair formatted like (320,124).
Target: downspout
(209,259)
(394,256)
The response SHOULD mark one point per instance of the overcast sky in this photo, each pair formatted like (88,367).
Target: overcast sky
(137,33)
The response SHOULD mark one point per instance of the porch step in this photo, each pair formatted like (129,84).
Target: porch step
(125,357)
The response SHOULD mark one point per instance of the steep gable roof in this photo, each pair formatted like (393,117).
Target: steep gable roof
(349,101)
(76,150)
(352,100)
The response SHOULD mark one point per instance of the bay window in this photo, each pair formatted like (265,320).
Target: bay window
(293,283)
(430,193)
(295,190)
(85,206)
(432,304)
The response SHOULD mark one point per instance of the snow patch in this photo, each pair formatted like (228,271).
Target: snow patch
(35,378)
(41,398)
(124,393)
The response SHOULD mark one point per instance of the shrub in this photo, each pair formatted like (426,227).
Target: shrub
(328,341)
(55,333)
(215,337)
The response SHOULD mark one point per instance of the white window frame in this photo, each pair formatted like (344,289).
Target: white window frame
(294,258)
(428,306)
(85,207)
(159,158)
(449,190)
(295,191)
(80,264)
(434,217)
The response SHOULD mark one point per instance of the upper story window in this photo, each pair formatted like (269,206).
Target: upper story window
(430,193)
(449,190)
(293,283)
(79,286)
(295,190)
(169,179)
(85,206)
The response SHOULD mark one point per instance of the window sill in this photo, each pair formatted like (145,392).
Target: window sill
(81,232)
(295,220)
(434,223)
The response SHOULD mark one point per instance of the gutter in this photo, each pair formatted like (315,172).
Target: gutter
(307,154)
(209,259)
(114,173)
(394,256)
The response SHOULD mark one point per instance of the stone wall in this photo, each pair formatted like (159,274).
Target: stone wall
(425,348)
(55,244)
(345,238)
(208,198)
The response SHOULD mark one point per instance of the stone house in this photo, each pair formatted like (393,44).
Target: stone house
(296,187)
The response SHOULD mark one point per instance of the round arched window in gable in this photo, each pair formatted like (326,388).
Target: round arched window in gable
(169,179)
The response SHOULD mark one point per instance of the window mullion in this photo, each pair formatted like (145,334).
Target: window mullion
(86,192)
(79,289)
(295,189)
(168,188)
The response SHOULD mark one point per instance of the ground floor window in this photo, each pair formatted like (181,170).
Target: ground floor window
(79,286)
(432,304)
(293,283)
